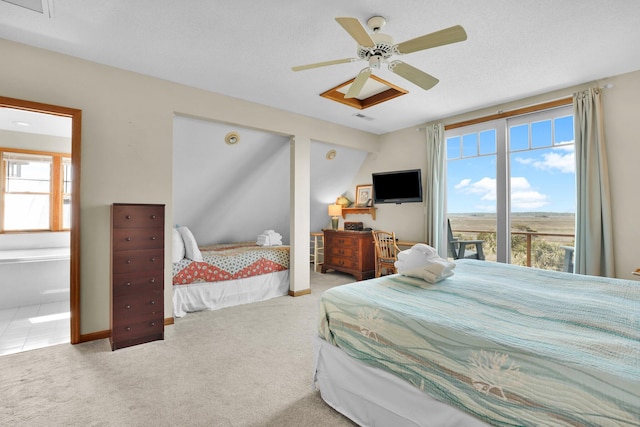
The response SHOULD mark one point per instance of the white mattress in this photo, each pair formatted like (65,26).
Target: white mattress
(372,397)
(216,295)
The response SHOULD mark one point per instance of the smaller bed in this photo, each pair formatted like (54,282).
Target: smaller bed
(228,275)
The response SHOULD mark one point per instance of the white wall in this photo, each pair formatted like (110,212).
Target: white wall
(229,193)
(127,148)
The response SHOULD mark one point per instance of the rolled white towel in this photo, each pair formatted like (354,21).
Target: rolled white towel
(425,249)
(412,258)
(263,240)
(431,269)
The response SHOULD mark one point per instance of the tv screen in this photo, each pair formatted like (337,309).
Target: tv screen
(397,186)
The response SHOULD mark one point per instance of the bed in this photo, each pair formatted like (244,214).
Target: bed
(228,275)
(495,344)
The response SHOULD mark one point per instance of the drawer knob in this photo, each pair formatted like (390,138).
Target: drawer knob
(128,239)
(153,260)
(153,237)
(128,217)
(128,261)
(128,329)
(152,302)
(128,306)
(153,323)
(153,280)
(153,217)
(128,284)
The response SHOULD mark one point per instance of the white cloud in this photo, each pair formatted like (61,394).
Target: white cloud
(561,159)
(523,197)
(462,184)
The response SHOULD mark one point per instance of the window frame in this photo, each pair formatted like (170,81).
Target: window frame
(56,188)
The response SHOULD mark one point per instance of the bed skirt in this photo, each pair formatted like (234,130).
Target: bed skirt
(372,397)
(216,295)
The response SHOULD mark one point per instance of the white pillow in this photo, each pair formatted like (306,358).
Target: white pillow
(177,245)
(190,246)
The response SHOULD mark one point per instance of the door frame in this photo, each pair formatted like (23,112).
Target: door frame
(76,132)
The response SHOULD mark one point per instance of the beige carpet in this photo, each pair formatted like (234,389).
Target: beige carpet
(242,366)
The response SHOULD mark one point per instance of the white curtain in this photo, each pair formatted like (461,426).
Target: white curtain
(435,198)
(594,234)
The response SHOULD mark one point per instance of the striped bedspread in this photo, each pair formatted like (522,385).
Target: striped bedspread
(231,261)
(507,344)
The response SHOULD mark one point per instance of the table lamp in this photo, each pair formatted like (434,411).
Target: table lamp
(334,212)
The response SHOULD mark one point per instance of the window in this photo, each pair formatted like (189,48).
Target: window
(36,191)
(511,183)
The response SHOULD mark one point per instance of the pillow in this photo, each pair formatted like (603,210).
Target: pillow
(190,246)
(177,245)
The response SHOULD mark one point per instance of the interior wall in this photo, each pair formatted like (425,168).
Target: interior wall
(127,147)
(400,150)
(229,193)
(331,178)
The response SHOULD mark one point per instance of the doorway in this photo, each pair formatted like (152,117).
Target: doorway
(67,216)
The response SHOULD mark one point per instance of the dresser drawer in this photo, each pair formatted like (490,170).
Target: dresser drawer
(341,262)
(138,216)
(126,308)
(125,239)
(143,282)
(342,240)
(343,251)
(143,260)
(123,332)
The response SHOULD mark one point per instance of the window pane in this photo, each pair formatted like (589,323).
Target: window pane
(563,130)
(470,145)
(488,142)
(26,212)
(453,148)
(519,137)
(66,177)
(541,134)
(28,176)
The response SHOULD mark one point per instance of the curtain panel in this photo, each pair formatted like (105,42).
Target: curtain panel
(594,230)
(435,198)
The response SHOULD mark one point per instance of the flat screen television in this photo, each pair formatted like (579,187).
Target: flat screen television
(397,186)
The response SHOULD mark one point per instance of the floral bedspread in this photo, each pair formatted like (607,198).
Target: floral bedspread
(231,261)
(507,344)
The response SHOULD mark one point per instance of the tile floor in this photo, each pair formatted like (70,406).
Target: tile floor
(35,326)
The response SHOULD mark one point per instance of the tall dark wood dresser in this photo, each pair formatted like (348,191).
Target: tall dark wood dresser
(137,274)
(351,252)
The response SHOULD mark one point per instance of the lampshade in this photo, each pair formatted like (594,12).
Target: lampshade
(335,210)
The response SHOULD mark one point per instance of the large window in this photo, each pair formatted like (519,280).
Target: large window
(511,183)
(36,191)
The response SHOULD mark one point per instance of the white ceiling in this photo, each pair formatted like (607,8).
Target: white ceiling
(246,48)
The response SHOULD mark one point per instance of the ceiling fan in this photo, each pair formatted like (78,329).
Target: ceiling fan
(377,48)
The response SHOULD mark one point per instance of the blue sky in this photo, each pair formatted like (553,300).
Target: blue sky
(542,178)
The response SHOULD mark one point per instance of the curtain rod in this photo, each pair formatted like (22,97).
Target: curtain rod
(517,112)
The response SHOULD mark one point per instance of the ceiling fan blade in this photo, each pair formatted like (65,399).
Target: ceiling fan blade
(322,64)
(354,27)
(439,38)
(415,76)
(358,83)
